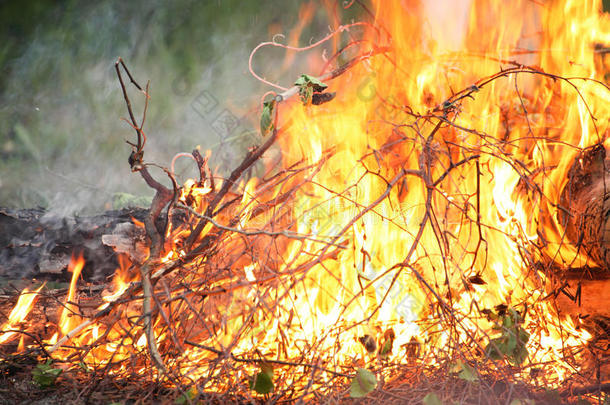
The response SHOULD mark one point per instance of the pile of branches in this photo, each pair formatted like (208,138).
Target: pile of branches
(202,292)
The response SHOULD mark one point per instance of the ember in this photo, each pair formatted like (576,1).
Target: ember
(415,222)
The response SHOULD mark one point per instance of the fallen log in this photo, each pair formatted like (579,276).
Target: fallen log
(35,244)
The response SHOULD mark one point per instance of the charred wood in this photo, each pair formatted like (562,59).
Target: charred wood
(36,244)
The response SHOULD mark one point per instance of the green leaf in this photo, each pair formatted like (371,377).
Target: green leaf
(512,341)
(494,349)
(363,383)
(432,399)
(307,80)
(44,375)
(267,117)
(519,355)
(262,383)
(467,373)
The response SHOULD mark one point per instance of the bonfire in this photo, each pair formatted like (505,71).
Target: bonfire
(431,224)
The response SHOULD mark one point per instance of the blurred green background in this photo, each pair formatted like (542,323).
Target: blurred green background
(62,143)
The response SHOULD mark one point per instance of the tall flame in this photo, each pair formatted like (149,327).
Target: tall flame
(69,318)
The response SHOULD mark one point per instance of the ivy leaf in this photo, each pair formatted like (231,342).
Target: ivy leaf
(44,375)
(432,399)
(362,384)
(267,117)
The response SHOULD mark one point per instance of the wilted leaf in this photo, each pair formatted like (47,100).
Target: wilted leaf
(321,98)
(489,314)
(368,342)
(432,399)
(363,383)
(501,309)
(477,279)
(307,86)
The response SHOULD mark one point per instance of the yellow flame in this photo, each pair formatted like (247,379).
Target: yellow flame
(18,314)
